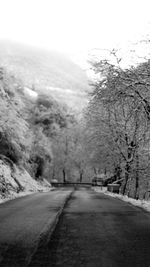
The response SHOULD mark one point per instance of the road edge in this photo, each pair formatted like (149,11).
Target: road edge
(48,230)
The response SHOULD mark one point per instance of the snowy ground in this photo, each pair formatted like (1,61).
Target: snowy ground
(9,183)
(13,195)
(145,204)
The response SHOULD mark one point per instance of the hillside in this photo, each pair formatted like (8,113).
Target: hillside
(41,96)
(46,70)
(27,127)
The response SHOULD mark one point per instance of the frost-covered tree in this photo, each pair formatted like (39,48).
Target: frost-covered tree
(118,117)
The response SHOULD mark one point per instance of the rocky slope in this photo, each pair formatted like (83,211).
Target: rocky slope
(16,182)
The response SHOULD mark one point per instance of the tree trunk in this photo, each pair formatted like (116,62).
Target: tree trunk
(53,174)
(127,170)
(64,176)
(95,172)
(137,177)
(81,176)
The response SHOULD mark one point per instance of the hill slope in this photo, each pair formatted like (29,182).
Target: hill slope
(45,70)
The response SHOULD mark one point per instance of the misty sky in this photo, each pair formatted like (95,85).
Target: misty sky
(74,26)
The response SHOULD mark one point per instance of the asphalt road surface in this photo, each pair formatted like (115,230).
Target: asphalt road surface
(97,231)
(24,221)
(94,230)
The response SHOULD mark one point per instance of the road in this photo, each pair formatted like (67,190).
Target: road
(94,230)
(97,231)
(24,221)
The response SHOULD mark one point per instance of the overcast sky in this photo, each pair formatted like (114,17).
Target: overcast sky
(74,25)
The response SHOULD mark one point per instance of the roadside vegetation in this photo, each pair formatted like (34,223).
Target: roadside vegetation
(40,135)
(118,123)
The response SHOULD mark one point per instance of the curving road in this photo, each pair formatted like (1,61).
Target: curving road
(98,231)
(94,230)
